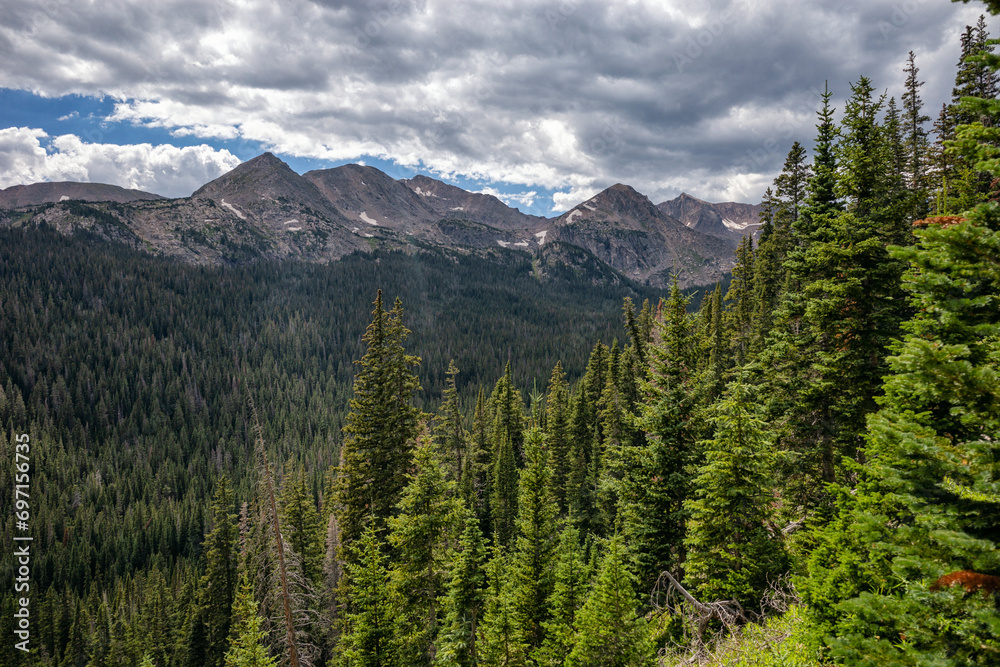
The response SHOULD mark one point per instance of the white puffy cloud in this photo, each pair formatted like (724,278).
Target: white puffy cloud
(567,95)
(30,155)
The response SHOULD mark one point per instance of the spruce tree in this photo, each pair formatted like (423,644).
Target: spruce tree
(532,557)
(463,606)
(368,637)
(220,579)
(610,631)
(246,647)
(451,435)
(571,577)
(422,535)
(300,524)
(380,425)
(557,436)
(916,140)
(656,524)
(731,555)
(897,577)
(476,487)
(507,436)
(500,642)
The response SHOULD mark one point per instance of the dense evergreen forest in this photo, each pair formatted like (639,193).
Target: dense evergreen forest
(800,468)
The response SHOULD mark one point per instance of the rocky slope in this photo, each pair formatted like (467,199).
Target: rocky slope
(263,209)
(729,220)
(46,193)
(624,229)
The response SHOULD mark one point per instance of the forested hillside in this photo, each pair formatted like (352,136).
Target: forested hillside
(799,468)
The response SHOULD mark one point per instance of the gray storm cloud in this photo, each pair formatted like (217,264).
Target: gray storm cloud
(566,95)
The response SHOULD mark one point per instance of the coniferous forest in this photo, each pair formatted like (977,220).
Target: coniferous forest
(405,460)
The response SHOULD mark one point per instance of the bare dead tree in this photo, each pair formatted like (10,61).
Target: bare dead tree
(293,657)
(670,596)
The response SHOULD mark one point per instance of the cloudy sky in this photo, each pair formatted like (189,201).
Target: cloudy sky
(542,102)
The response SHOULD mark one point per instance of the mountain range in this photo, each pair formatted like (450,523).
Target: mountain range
(264,209)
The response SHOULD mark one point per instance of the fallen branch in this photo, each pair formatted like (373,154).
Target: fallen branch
(729,613)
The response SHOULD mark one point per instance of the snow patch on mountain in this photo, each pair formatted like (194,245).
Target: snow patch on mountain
(574,212)
(365,218)
(239,213)
(541,236)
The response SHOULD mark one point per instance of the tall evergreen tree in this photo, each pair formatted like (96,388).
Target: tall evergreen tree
(247,647)
(368,636)
(380,425)
(422,536)
(557,434)
(301,525)
(730,553)
(500,642)
(571,577)
(448,426)
(464,604)
(476,486)
(532,558)
(916,139)
(664,482)
(610,630)
(220,579)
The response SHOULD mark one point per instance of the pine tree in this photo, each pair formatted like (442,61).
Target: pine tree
(610,631)
(500,642)
(664,482)
(422,535)
(503,497)
(557,436)
(220,579)
(246,647)
(448,426)
(380,426)
(730,553)
(368,638)
(921,527)
(570,576)
(531,559)
(742,301)
(476,487)
(464,604)
(916,140)
(507,436)
(300,524)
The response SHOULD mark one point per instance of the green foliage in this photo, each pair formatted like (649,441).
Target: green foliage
(532,558)
(247,648)
(778,641)
(464,604)
(731,552)
(933,463)
(422,536)
(663,478)
(571,576)
(381,423)
(500,642)
(368,636)
(507,435)
(610,631)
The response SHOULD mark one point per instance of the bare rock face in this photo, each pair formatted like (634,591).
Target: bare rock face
(450,202)
(729,220)
(263,209)
(624,229)
(48,193)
